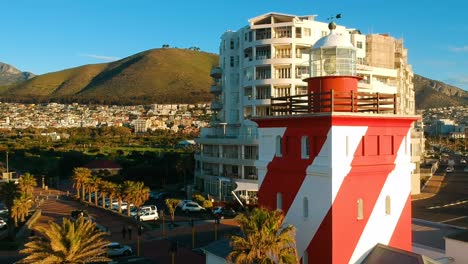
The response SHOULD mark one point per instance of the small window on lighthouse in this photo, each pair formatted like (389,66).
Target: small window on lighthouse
(279,146)
(279,201)
(306,207)
(305,147)
(360,209)
(388,205)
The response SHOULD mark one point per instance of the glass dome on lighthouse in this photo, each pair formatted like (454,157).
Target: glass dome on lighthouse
(333,55)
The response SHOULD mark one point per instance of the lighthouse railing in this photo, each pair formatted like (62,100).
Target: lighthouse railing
(332,101)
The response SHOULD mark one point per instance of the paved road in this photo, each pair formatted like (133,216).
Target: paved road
(450,204)
(154,246)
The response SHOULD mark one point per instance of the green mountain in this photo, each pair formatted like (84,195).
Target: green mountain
(155,76)
(166,75)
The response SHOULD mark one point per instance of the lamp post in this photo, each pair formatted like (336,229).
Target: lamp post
(173,251)
(161,212)
(216,223)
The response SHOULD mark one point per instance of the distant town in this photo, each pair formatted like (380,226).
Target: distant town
(186,118)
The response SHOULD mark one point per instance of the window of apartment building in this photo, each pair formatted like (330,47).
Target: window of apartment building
(251,152)
(250,173)
(283,73)
(248,112)
(231,44)
(324,33)
(262,111)
(305,258)
(359,44)
(263,33)
(248,92)
(262,72)
(360,209)
(283,32)
(307,32)
(279,201)
(305,147)
(301,90)
(248,54)
(245,36)
(283,52)
(298,32)
(250,36)
(282,91)
(263,92)
(301,71)
(232,61)
(279,146)
(263,53)
(305,207)
(388,204)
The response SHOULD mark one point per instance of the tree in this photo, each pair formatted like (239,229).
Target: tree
(71,242)
(105,188)
(136,193)
(20,208)
(171,206)
(9,192)
(80,177)
(93,184)
(265,239)
(113,191)
(26,184)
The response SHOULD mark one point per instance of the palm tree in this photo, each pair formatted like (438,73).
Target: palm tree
(93,184)
(113,191)
(20,208)
(71,242)
(171,206)
(9,192)
(265,239)
(26,184)
(105,189)
(80,177)
(136,193)
(120,194)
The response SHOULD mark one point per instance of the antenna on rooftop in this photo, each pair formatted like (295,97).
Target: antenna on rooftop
(337,16)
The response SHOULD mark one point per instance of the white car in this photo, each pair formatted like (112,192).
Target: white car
(116,249)
(183,202)
(115,206)
(148,216)
(191,207)
(144,208)
(449,169)
(463,161)
(2,223)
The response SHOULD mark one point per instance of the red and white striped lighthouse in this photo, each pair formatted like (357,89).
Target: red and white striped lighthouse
(337,161)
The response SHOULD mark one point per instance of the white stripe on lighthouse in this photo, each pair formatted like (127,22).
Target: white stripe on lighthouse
(320,182)
(268,150)
(398,187)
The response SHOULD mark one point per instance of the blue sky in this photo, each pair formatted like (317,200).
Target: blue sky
(49,35)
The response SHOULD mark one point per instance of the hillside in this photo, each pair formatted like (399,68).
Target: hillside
(155,76)
(430,93)
(164,75)
(10,75)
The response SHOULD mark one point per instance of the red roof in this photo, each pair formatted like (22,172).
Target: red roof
(102,165)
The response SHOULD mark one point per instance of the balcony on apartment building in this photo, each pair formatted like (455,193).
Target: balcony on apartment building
(216,87)
(216,105)
(216,72)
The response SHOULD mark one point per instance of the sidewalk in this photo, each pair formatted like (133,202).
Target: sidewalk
(430,189)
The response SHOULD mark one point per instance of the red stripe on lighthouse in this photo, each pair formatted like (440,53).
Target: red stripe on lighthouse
(402,235)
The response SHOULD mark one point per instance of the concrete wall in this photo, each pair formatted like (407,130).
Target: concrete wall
(456,249)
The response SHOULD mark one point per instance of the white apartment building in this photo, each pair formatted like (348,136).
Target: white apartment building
(270,58)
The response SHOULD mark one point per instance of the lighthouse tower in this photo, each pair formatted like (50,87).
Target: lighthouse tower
(337,161)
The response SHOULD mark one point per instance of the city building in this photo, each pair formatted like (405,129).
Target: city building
(269,58)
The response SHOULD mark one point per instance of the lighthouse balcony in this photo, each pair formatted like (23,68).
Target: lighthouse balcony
(332,101)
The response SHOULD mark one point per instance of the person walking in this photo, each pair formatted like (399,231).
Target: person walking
(124,232)
(129,232)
